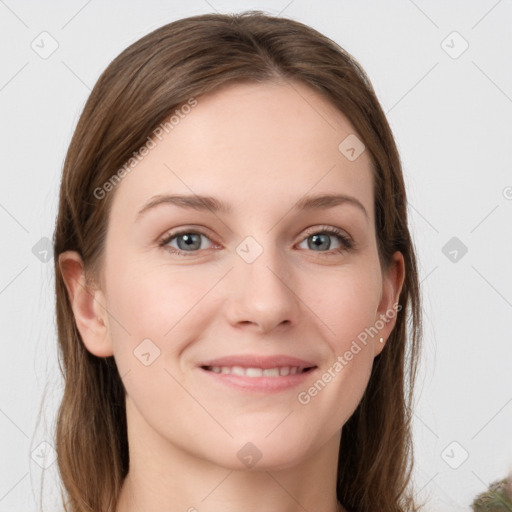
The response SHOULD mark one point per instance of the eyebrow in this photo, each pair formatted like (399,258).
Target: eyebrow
(202,203)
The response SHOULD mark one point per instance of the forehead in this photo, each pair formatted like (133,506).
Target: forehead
(272,142)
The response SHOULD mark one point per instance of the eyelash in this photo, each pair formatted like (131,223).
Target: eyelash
(346,242)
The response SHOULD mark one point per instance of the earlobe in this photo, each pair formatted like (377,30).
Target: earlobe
(389,308)
(87,302)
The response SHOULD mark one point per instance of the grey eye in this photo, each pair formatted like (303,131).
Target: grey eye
(187,241)
(319,241)
(322,241)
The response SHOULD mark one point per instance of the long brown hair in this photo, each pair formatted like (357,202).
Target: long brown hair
(139,90)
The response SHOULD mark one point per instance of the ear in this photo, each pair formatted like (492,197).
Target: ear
(392,282)
(88,304)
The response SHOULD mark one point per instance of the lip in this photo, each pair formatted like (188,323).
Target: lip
(257,361)
(258,384)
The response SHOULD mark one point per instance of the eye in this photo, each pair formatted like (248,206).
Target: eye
(319,239)
(188,242)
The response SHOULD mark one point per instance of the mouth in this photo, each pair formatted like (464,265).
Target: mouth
(278,371)
(255,373)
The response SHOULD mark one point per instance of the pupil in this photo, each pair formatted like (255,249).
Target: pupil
(190,239)
(316,238)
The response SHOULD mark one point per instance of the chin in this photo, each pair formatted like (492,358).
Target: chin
(261,453)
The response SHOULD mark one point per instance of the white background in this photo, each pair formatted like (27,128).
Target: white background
(452,121)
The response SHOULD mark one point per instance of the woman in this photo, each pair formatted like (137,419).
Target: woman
(234,274)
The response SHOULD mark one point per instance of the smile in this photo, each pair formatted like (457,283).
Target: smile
(282,371)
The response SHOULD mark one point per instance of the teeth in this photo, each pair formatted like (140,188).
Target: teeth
(237,370)
(257,372)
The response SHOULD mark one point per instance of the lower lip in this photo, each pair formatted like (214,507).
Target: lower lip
(261,384)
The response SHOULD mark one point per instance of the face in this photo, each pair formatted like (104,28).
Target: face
(272,280)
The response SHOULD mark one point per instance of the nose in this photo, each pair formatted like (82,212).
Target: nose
(261,295)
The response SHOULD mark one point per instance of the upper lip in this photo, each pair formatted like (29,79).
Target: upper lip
(258,361)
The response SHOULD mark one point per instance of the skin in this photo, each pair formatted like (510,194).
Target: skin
(260,148)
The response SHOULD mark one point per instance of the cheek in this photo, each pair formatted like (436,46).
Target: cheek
(155,311)
(346,302)
(347,311)
(157,302)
